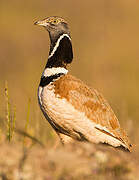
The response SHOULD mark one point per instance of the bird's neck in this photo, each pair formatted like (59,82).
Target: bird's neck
(60,52)
(59,56)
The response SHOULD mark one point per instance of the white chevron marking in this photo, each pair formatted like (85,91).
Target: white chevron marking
(57,44)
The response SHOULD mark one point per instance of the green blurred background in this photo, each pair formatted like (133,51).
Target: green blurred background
(105,36)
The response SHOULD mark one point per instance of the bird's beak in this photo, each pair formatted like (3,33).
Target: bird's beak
(41,23)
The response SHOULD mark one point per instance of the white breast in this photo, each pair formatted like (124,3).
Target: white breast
(61,112)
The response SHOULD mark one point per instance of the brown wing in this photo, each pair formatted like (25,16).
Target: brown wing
(92,103)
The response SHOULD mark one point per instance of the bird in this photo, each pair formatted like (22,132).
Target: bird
(73,109)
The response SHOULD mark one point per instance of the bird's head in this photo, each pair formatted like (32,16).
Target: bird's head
(54,25)
(60,47)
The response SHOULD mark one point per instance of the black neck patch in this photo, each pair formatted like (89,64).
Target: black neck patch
(63,54)
(46,80)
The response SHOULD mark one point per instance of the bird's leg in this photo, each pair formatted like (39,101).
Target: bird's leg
(65,139)
(57,142)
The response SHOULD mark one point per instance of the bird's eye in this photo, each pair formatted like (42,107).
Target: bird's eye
(54,21)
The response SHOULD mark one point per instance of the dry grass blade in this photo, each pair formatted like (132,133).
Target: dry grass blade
(25,134)
(8,114)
